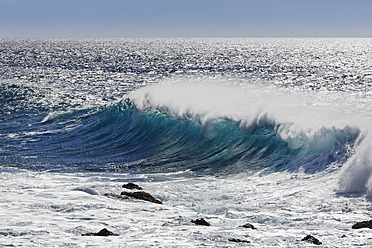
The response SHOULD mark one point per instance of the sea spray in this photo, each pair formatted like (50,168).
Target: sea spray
(247,102)
(356,174)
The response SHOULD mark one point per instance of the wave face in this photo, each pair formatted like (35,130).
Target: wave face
(223,146)
(126,137)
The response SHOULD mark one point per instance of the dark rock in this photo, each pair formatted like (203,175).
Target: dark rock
(239,241)
(201,222)
(248,226)
(116,196)
(363,224)
(103,232)
(132,186)
(311,239)
(142,195)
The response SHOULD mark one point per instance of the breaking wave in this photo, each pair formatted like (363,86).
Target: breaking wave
(156,130)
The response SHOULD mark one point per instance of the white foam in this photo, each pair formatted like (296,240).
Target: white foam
(248,102)
(356,175)
(44,209)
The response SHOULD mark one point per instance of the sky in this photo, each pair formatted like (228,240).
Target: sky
(185,18)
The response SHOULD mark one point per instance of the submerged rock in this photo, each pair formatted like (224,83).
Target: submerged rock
(116,196)
(312,240)
(239,240)
(248,225)
(132,186)
(363,224)
(103,232)
(201,222)
(142,195)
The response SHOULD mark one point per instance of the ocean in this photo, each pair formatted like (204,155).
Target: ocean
(275,132)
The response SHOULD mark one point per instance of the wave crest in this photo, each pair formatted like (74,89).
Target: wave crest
(158,130)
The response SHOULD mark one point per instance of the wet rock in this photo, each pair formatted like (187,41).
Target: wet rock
(312,240)
(363,224)
(116,196)
(248,226)
(132,186)
(103,232)
(239,241)
(142,195)
(201,222)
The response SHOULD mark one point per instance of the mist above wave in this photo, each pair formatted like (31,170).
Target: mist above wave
(206,100)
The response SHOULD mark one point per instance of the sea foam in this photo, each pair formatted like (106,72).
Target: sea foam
(303,116)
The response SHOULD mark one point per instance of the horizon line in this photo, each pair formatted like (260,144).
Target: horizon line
(181,37)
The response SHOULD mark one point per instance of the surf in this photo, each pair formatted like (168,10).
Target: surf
(294,132)
(124,137)
(201,127)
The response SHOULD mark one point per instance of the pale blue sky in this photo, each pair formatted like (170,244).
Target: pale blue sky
(189,18)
